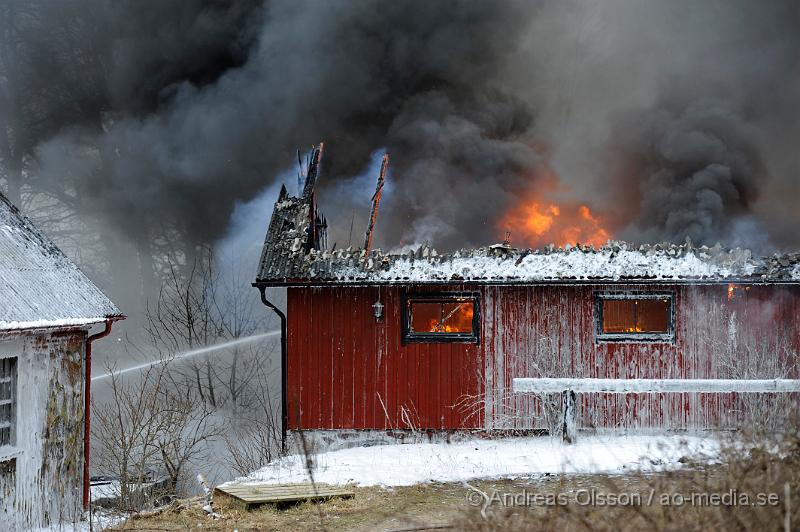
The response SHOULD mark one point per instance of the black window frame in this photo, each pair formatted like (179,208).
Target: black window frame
(409,336)
(634,337)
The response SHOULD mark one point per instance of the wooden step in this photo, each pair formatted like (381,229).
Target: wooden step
(251,494)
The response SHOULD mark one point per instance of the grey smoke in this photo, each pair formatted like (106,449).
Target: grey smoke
(697,171)
(674,118)
(358,75)
(671,119)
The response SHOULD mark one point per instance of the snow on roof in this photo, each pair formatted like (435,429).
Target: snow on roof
(611,263)
(39,286)
(289,258)
(614,262)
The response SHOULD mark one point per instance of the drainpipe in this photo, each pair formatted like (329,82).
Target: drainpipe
(87,397)
(284,367)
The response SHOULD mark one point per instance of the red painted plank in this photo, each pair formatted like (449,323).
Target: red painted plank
(343,363)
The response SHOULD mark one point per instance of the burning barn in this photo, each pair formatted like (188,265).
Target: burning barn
(379,343)
(47,307)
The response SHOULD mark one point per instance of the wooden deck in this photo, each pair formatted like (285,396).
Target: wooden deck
(250,495)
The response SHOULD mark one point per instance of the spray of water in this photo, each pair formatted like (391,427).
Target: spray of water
(192,353)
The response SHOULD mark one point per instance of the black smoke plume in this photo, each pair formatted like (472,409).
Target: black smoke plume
(668,118)
(697,169)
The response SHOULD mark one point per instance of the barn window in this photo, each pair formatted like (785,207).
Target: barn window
(441,317)
(635,317)
(8,400)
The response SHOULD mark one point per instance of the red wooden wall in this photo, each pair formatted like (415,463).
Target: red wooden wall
(348,371)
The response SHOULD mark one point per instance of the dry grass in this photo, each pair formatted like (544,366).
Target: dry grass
(760,465)
(679,500)
(371,509)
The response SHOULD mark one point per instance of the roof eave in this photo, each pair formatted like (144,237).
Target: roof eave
(523,282)
(78,324)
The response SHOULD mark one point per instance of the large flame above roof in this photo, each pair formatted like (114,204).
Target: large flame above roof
(536,219)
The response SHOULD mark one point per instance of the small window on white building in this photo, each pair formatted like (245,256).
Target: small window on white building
(8,400)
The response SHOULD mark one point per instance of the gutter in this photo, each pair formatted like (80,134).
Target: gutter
(87,397)
(284,366)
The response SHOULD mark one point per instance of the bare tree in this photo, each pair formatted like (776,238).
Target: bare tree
(148,427)
(741,354)
(125,433)
(199,308)
(37,39)
(257,440)
(187,425)
(182,319)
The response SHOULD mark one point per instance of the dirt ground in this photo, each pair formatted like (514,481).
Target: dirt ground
(420,507)
(371,508)
(754,485)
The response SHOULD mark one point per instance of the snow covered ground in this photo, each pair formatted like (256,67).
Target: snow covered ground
(100,521)
(407,464)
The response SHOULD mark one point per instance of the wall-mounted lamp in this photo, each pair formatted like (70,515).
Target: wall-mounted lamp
(377,309)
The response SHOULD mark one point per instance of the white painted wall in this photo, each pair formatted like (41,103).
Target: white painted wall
(49,435)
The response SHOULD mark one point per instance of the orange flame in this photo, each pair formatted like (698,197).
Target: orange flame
(538,223)
(736,291)
(459,321)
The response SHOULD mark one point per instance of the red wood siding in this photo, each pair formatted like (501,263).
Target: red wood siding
(549,332)
(347,371)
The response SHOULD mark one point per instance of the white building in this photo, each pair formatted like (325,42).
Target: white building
(47,308)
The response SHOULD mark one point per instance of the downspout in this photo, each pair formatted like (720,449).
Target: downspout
(284,367)
(87,408)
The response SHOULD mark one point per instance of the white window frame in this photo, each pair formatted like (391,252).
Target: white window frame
(12,380)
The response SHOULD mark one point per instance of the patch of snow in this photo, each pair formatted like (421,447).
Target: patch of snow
(105,490)
(44,324)
(407,464)
(7,452)
(796,272)
(101,520)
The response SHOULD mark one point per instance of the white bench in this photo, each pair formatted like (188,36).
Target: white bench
(568,387)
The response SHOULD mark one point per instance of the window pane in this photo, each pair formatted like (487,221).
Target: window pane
(622,316)
(619,316)
(8,399)
(457,317)
(441,316)
(425,316)
(653,315)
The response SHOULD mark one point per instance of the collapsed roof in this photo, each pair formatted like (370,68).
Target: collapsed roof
(292,255)
(39,286)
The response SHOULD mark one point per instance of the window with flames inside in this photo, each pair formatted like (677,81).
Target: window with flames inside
(441,318)
(8,400)
(635,317)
